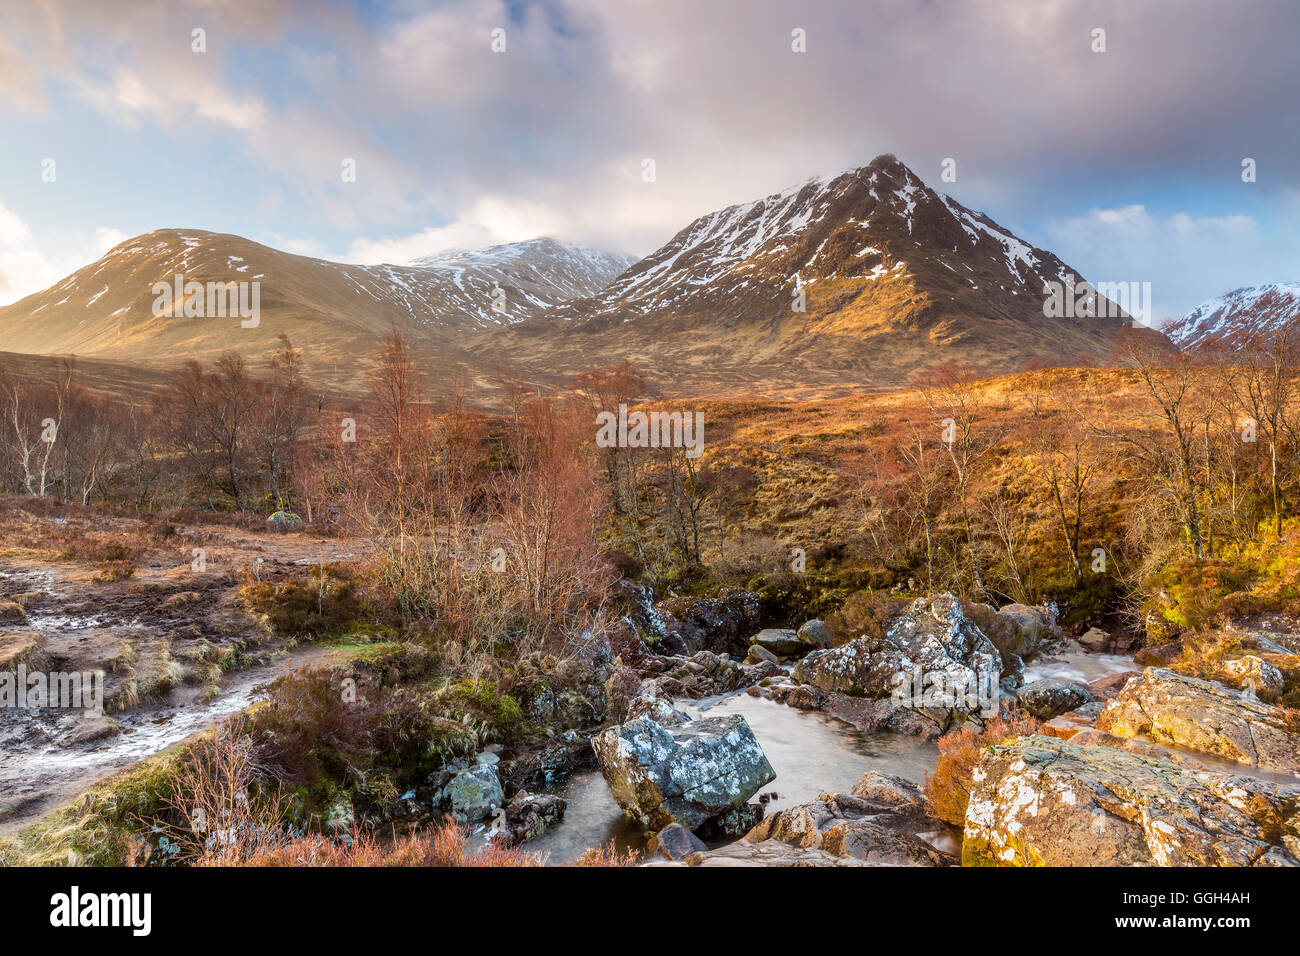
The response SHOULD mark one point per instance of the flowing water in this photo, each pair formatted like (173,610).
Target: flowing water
(1079,665)
(811,754)
(37,771)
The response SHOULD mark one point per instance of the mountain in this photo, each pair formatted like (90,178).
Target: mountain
(860,280)
(1237,315)
(338,311)
(896,278)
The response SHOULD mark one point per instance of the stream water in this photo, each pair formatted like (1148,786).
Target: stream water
(38,772)
(1078,665)
(811,754)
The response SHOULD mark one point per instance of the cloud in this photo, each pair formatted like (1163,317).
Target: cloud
(457,145)
(25,269)
(1186,258)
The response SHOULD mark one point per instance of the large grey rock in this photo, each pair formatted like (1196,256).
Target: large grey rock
(882,822)
(932,659)
(473,794)
(1039,801)
(1016,628)
(688,773)
(1254,674)
(781,641)
(1052,697)
(1204,716)
(813,633)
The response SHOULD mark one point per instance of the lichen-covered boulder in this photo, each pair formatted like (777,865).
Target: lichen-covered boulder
(882,822)
(932,658)
(1204,716)
(687,773)
(1052,697)
(473,794)
(284,520)
(1039,801)
(1254,673)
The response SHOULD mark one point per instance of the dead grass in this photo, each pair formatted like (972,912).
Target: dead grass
(948,788)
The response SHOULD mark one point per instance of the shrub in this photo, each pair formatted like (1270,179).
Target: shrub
(864,613)
(948,788)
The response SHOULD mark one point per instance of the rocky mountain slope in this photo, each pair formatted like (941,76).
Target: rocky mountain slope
(1237,315)
(868,277)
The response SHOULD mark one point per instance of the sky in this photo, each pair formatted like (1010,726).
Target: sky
(1125,162)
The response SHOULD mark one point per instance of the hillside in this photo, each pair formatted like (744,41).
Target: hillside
(336,312)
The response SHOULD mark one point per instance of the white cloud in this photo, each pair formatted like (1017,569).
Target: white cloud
(25,269)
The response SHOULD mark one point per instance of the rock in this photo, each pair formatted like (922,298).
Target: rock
(12,612)
(1017,628)
(1030,627)
(1107,688)
(736,822)
(781,641)
(813,633)
(473,794)
(1013,672)
(1095,639)
(1052,697)
(882,822)
(526,817)
(1038,801)
(1206,717)
(284,520)
(1253,673)
(1092,737)
(758,654)
(1160,656)
(688,773)
(658,709)
(932,659)
(701,675)
(675,842)
(685,625)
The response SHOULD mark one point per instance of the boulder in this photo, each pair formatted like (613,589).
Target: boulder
(687,774)
(473,794)
(1254,673)
(525,817)
(932,659)
(658,709)
(1204,716)
(1107,688)
(284,520)
(781,641)
(1094,639)
(813,633)
(1052,697)
(685,625)
(883,821)
(701,675)
(675,842)
(758,654)
(1161,655)
(1017,628)
(1038,801)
